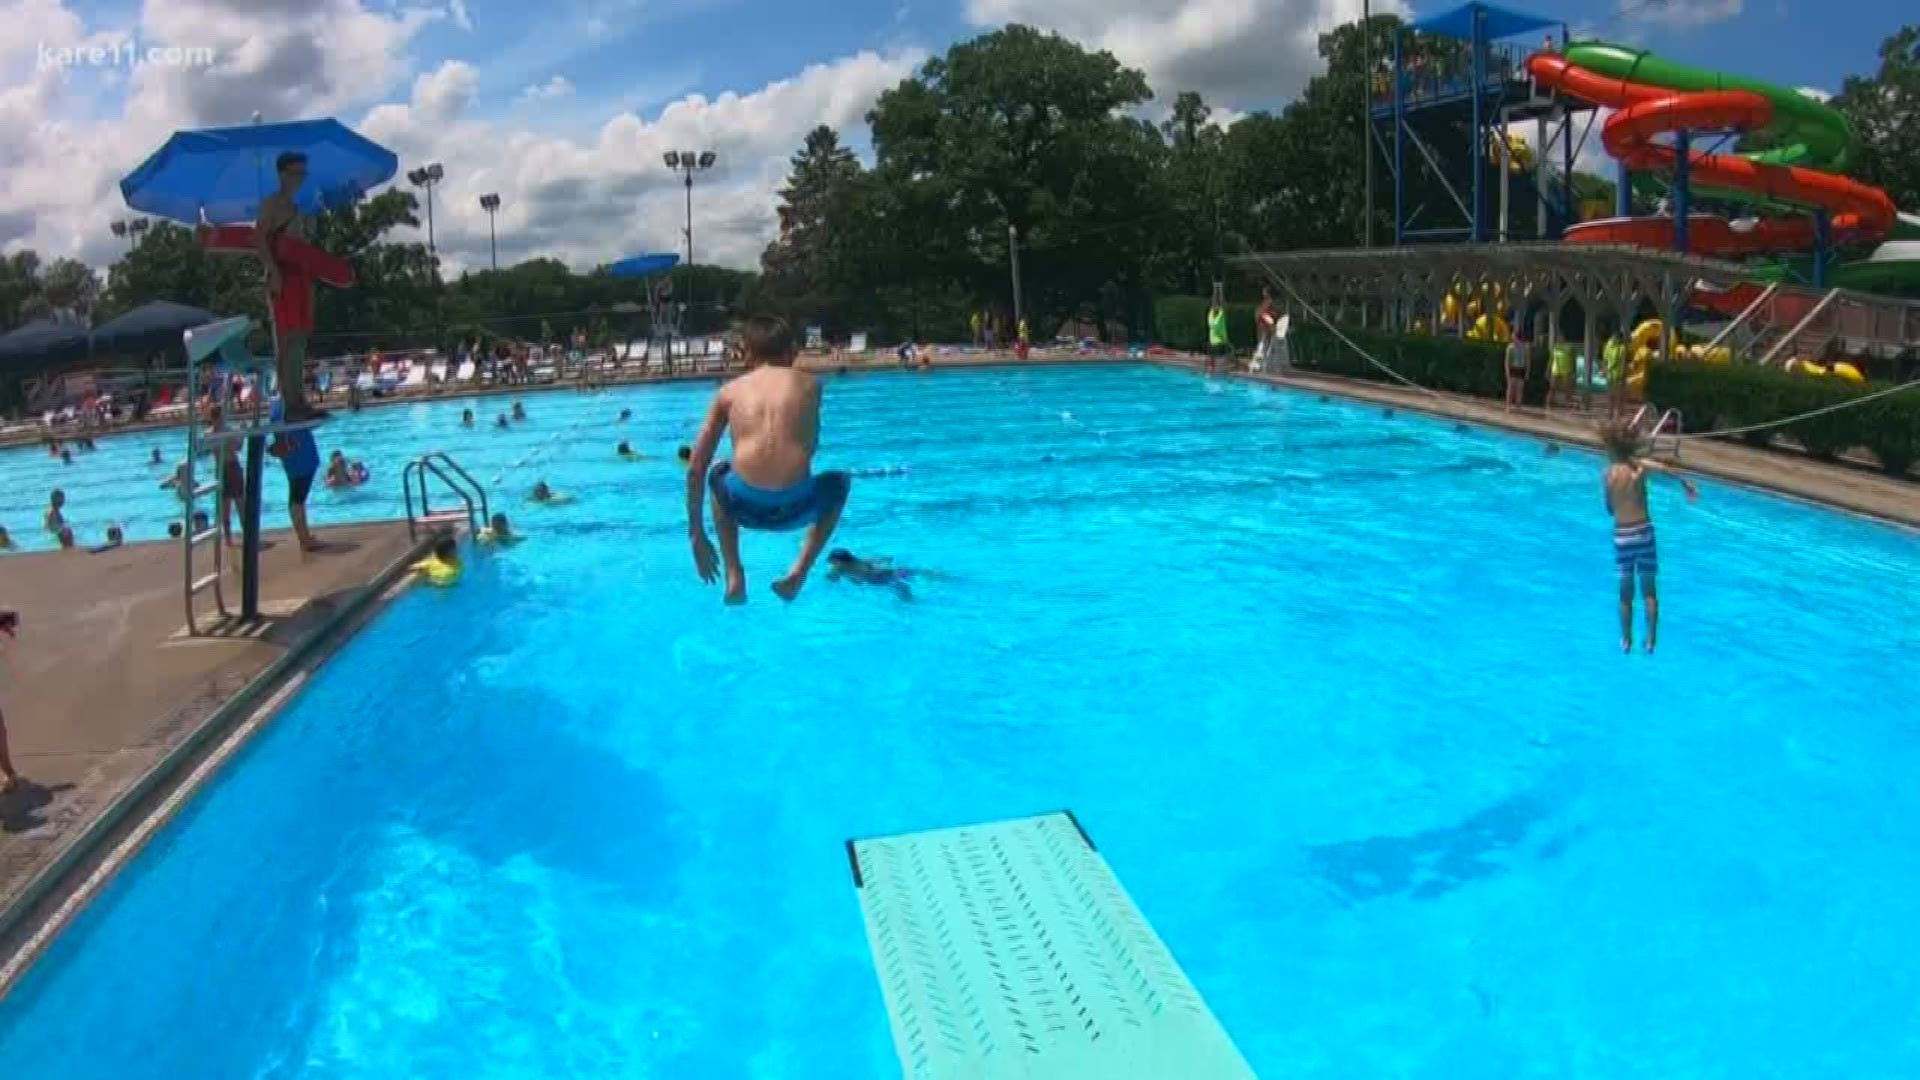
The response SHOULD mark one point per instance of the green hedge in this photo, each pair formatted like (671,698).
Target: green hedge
(1442,363)
(1712,397)
(1180,322)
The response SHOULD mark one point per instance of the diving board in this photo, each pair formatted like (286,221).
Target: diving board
(1009,951)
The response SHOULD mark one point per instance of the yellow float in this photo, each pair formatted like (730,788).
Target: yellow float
(1490,329)
(1848,372)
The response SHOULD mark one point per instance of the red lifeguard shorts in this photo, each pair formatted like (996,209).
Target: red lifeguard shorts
(293,304)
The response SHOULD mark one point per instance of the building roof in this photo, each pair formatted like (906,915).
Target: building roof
(1498,22)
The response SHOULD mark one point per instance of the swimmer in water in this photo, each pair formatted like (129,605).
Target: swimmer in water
(442,565)
(501,422)
(155,459)
(685,454)
(498,532)
(66,457)
(338,472)
(626,415)
(1633,544)
(466,417)
(55,519)
(6,539)
(546,496)
(519,411)
(115,538)
(626,452)
(844,564)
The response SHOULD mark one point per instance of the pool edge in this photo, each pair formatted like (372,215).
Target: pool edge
(1535,426)
(54,897)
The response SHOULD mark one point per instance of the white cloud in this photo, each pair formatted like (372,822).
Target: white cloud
(584,199)
(1241,53)
(457,11)
(1815,93)
(1682,13)
(556,87)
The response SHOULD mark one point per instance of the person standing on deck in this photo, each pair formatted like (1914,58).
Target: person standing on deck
(300,457)
(1519,359)
(1219,342)
(1264,322)
(289,287)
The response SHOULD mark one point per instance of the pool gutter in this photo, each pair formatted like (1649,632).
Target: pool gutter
(1898,503)
(58,893)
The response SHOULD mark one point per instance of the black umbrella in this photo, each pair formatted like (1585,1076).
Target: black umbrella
(41,345)
(149,328)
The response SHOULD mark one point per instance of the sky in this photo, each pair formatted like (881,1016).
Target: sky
(564,107)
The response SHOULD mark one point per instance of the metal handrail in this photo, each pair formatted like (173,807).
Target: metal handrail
(1745,313)
(471,494)
(1819,308)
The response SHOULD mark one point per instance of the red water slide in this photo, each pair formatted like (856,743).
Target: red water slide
(1860,213)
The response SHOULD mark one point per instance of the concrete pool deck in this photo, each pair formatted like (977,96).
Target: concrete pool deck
(107,701)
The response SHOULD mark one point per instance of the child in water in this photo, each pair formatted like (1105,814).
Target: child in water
(466,417)
(442,566)
(499,533)
(842,563)
(546,496)
(1634,551)
(774,414)
(685,454)
(626,452)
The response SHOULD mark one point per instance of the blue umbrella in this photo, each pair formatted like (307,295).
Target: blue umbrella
(223,173)
(643,265)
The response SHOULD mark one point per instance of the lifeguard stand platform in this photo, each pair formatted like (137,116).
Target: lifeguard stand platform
(1442,117)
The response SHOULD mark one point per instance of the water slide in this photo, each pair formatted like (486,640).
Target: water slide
(1653,96)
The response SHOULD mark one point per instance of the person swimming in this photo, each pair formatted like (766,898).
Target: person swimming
(55,517)
(499,532)
(685,454)
(626,415)
(844,564)
(519,411)
(501,421)
(442,566)
(546,496)
(466,417)
(6,539)
(115,538)
(155,459)
(344,473)
(626,452)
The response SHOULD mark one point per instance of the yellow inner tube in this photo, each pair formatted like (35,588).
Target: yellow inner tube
(437,572)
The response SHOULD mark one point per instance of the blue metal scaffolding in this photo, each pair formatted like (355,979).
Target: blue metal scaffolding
(1432,84)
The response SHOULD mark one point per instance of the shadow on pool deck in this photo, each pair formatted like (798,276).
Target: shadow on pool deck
(102,685)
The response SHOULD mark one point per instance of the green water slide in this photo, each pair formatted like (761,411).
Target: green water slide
(1805,133)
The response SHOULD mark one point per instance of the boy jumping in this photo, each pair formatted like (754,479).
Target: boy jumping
(774,413)
(1633,545)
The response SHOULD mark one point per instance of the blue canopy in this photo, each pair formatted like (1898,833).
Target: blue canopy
(151,327)
(223,173)
(41,345)
(1497,22)
(644,265)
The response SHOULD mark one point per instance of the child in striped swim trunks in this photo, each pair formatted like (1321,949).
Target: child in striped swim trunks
(1634,550)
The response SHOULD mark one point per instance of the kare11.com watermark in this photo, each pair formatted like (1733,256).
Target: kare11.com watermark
(123,53)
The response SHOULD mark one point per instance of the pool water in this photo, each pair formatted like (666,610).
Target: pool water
(1338,694)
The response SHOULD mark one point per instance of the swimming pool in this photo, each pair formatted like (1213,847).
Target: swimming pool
(1337,694)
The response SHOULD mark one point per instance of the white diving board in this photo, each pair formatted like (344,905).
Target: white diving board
(1009,951)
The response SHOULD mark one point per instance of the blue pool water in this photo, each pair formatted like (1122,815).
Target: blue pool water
(1338,694)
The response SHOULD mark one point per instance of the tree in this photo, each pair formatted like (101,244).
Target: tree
(1885,113)
(68,289)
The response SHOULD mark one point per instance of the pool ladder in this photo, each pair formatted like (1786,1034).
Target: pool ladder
(1668,425)
(223,343)
(473,497)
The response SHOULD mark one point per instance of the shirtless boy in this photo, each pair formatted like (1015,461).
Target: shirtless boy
(1633,544)
(774,414)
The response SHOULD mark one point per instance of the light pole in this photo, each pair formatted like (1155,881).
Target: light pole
(491,204)
(1013,259)
(1366,113)
(130,230)
(686,163)
(426,178)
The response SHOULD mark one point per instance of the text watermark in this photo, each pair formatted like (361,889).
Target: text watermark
(125,53)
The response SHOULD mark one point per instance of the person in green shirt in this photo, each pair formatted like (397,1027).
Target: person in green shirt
(1614,354)
(1219,344)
